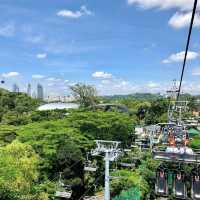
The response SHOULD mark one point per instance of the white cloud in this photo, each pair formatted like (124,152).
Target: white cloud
(191,87)
(7,30)
(50,79)
(101,74)
(74,14)
(120,86)
(86,11)
(106,81)
(124,83)
(41,55)
(164,4)
(69,13)
(116,86)
(152,84)
(51,84)
(10,74)
(37,39)
(178,57)
(180,20)
(37,76)
(53,79)
(196,71)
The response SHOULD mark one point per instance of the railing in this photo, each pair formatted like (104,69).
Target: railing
(168,156)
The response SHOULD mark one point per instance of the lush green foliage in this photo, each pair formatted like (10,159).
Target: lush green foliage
(142,177)
(103,125)
(15,107)
(195,143)
(130,194)
(19,172)
(35,146)
(85,95)
(147,111)
(63,143)
(8,133)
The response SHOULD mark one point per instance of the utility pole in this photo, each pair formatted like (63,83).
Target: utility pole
(111,151)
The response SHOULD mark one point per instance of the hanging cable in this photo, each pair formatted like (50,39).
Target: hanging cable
(187,46)
(97,180)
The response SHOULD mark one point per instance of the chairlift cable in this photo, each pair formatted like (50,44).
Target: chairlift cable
(187,46)
(74,164)
(91,186)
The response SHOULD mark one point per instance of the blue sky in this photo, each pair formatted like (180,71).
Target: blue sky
(120,46)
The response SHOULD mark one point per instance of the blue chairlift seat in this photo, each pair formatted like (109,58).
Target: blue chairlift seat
(195,190)
(161,186)
(180,191)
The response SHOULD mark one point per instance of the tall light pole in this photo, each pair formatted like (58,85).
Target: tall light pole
(110,149)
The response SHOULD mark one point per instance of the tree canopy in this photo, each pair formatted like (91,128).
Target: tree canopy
(35,146)
(85,95)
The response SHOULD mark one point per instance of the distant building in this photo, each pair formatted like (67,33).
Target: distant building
(34,95)
(29,90)
(15,88)
(40,92)
(64,99)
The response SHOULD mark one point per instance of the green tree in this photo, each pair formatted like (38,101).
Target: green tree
(85,95)
(15,118)
(16,107)
(18,172)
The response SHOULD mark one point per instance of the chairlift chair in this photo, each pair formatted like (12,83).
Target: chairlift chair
(161,186)
(134,146)
(128,165)
(63,194)
(128,161)
(195,189)
(63,191)
(127,150)
(89,165)
(117,176)
(174,152)
(179,189)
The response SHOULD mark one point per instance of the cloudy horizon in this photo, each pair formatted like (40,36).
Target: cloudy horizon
(125,47)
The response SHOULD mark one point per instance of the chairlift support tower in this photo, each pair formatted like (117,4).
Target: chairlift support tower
(110,149)
(175,105)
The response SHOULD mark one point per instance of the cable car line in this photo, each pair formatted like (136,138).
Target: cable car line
(187,46)
(97,179)
(177,150)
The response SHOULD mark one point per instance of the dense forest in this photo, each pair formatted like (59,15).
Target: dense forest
(35,146)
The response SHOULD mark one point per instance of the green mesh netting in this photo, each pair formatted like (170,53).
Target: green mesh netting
(193,132)
(131,194)
(170,180)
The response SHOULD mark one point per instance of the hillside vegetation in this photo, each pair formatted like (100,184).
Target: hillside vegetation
(35,146)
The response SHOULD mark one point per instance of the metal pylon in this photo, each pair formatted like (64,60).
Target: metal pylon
(111,151)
